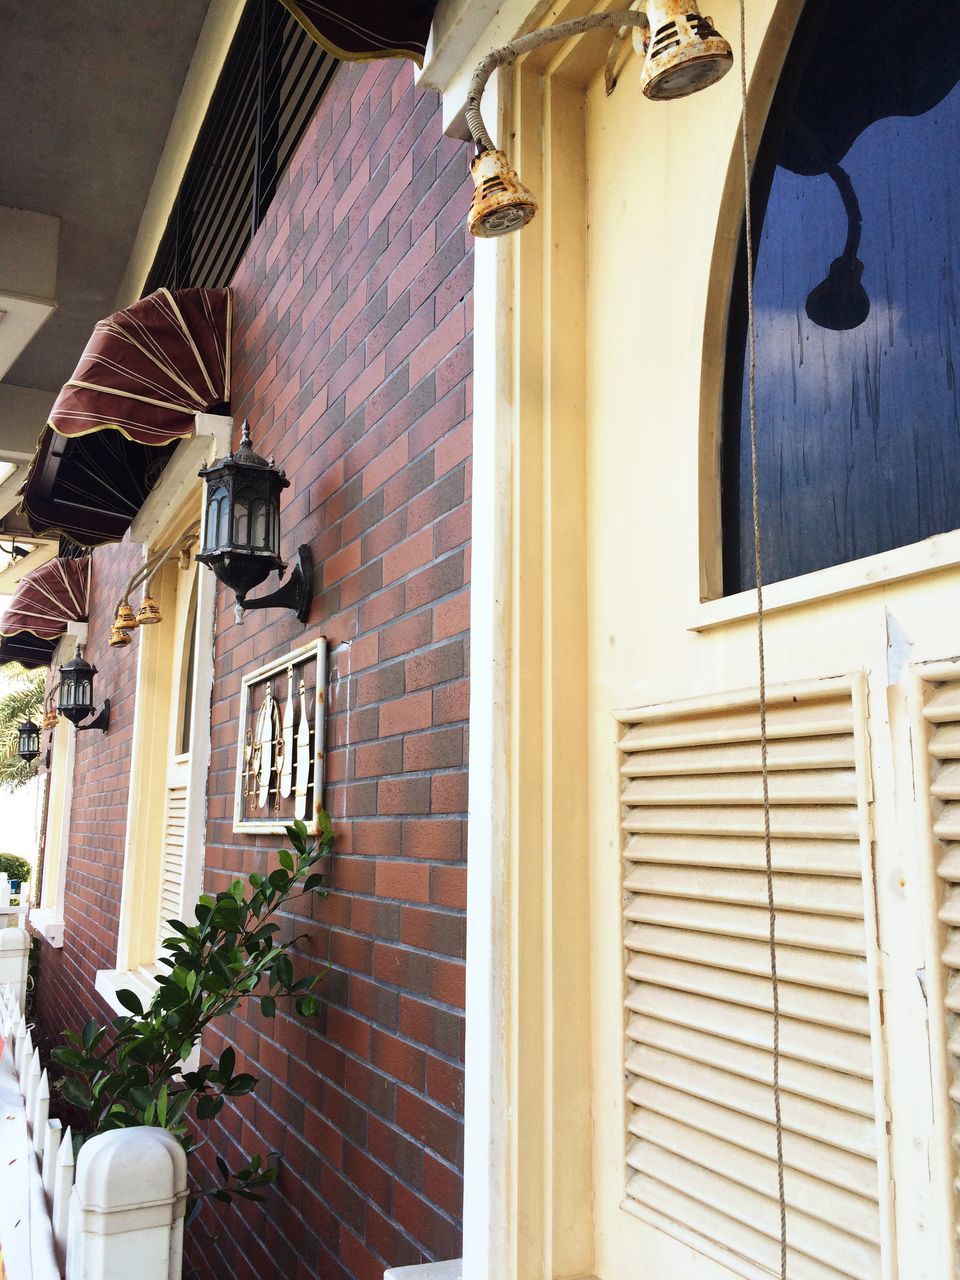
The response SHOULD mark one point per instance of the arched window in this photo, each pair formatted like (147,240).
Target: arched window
(856,194)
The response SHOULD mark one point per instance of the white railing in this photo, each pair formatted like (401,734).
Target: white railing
(116,1213)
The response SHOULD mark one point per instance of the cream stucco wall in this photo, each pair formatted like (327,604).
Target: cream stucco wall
(598,361)
(663,199)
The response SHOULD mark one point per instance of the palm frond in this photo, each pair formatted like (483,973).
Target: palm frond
(21,699)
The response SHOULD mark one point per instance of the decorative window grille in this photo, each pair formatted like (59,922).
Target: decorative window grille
(701,1150)
(271,83)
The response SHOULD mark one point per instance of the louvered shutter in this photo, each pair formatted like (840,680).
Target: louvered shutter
(172,868)
(941,711)
(701,1148)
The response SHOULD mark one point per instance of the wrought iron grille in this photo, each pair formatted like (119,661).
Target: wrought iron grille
(273,78)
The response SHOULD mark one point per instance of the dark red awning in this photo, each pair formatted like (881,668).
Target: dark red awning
(26,649)
(144,375)
(373,29)
(49,598)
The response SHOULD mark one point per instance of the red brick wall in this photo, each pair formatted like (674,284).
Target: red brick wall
(352,362)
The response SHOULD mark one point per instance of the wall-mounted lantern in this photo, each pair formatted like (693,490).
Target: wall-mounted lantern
(28,741)
(76,695)
(241,531)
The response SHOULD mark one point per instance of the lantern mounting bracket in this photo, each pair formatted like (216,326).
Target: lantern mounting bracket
(100,721)
(296,593)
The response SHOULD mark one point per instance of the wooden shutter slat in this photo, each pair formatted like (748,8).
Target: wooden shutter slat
(812,857)
(802,893)
(838,1049)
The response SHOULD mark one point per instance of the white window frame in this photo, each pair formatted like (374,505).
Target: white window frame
(137,931)
(47,918)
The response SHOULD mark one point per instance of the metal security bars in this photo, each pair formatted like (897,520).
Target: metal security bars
(273,78)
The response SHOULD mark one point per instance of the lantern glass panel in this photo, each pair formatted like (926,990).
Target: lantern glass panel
(258,520)
(241,523)
(84,695)
(217,516)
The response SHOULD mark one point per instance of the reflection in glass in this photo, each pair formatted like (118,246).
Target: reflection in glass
(857,394)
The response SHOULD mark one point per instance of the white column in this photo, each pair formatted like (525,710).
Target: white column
(126,1214)
(14,956)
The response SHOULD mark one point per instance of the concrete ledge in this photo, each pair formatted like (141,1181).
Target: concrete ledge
(428,1271)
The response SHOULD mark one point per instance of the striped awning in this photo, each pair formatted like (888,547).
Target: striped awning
(27,649)
(144,375)
(48,598)
(372,29)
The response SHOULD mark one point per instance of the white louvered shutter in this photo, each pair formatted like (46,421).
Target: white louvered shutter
(941,710)
(172,864)
(701,1148)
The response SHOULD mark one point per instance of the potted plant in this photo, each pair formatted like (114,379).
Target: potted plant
(136,1071)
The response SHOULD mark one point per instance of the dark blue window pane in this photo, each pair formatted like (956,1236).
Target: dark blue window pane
(857,293)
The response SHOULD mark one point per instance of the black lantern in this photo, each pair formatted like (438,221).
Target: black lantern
(28,741)
(75,700)
(241,531)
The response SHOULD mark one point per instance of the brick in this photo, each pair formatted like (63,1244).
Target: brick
(404,795)
(434,666)
(411,554)
(435,1128)
(406,635)
(441,749)
(415,711)
(439,839)
(407,881)
(448,793)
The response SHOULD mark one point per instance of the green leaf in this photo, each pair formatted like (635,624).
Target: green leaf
(67,1057)
(240,1085)
(228,1060)
(90,1030)
(286,860)
(283,970)
(279,878)
(308,1006)
(75,1093)
(181,928)
(222,1196)
(130,1000)
(208,1107)
(314,881)
(268,1006)
(140,1097)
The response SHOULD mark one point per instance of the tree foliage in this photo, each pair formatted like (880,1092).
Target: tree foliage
(131,1072)
(21,699)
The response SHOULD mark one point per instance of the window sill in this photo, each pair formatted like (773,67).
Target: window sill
(142,982)
(933,554)
(48,923)
(428,1271)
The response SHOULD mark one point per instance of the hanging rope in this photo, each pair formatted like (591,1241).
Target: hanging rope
(761,655)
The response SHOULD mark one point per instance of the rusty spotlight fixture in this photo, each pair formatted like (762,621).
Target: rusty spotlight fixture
(684,53)
(241,531)
(149,612)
